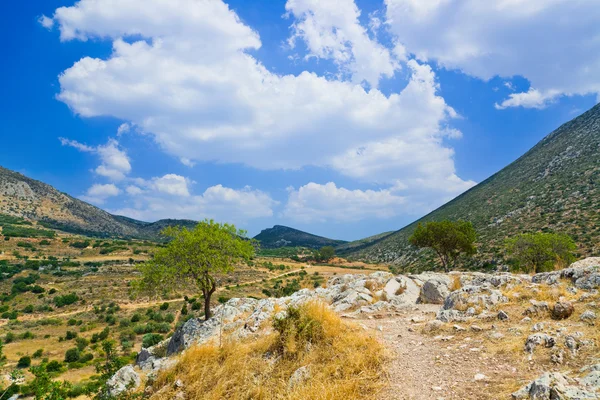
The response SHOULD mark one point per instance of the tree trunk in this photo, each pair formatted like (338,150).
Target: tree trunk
(207,295)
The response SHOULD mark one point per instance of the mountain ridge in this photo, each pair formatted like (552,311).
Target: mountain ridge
(552,187)
(24,197)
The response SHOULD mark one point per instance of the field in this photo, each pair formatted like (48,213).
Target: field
(63,295)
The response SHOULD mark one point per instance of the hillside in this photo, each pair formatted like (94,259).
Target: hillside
(555,186)
(33,200)
(283,236)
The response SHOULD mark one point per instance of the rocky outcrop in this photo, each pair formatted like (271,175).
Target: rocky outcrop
(585,274)
(124,379)
(562,310)
(435,288)
(557,386)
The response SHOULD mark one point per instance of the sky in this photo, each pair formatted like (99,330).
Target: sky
(343,118)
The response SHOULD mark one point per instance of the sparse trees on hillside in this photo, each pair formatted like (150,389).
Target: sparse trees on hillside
(449,239)
(538,252)
(195,256)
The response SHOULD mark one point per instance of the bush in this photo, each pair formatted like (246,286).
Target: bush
(136,317)
(82,343)
(38,353)
(72,355)
(539,252)
(150,339)
(65,300)
(54,366)
(70,335)
(24,362)
(164,306)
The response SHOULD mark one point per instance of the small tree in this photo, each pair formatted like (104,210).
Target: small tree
(537,252)
(449,239)
(326,253)
(196,256)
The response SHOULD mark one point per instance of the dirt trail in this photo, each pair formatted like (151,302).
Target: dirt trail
(426,366)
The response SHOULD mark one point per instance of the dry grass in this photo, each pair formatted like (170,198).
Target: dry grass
(344,363)
(455,284)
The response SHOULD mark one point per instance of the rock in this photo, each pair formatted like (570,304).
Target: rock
(537,308)
(393,288)
(588,316)
(434,325)
(572,344)
(502,316)
(553,386)
(539,339)
(537,327)
(472,297)
(451,316)
(435,290)
(124,379)
(562,310)
(476,328)
(479,377)
(299,376)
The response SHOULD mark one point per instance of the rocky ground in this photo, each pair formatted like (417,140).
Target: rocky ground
(449,336)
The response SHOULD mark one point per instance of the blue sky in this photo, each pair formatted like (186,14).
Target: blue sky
(343,118)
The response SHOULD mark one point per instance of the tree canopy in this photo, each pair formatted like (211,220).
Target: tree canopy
(538,252)
(449,239)
(325,254)
(196,256)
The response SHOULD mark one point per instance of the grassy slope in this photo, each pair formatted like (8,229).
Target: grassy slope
(553,187)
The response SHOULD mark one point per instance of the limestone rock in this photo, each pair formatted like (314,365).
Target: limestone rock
(435,290)
(124,379)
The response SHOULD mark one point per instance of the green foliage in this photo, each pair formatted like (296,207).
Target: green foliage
(538,252)
(24,362)
(449,239)
(19,231)
(298,326)
(164,306)
(150,339)
(194,257)
(326,253)
(72,355)
(65,300)
(80,244)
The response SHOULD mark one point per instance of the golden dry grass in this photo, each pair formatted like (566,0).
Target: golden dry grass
(344,363)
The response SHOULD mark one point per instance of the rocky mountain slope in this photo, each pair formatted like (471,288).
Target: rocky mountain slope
(553,187)
(283,236)
(33,200)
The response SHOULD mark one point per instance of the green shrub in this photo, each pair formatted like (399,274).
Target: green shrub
(164,306)
(72,355)
(24,362)
(150,339)
(38,353)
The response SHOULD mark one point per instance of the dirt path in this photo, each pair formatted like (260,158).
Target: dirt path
(438,366)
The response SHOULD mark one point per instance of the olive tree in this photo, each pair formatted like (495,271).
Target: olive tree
(196,256)
(537,252)
(449,239)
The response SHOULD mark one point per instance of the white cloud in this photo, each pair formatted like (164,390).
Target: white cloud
(97,194)
(218,202)
(321,203)
(331,30)
(192,85)
(115,162)
(133,190)
(123,128)
(552,43)
(46,22)
(172,184)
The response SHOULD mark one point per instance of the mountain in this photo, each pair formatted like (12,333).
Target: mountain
(33,200)
(283,236)
(555,187)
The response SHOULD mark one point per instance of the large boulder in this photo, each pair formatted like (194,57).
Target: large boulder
(435,289)
(124,379)
(481,297)
(562,310)
(585,274)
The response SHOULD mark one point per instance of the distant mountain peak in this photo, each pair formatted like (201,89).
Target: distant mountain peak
(284,236)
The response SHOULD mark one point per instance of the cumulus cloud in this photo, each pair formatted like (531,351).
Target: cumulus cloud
(97,194)
(192,85)
(507,38)
(322,203)
(331,30)
(115,162)
(218,202)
